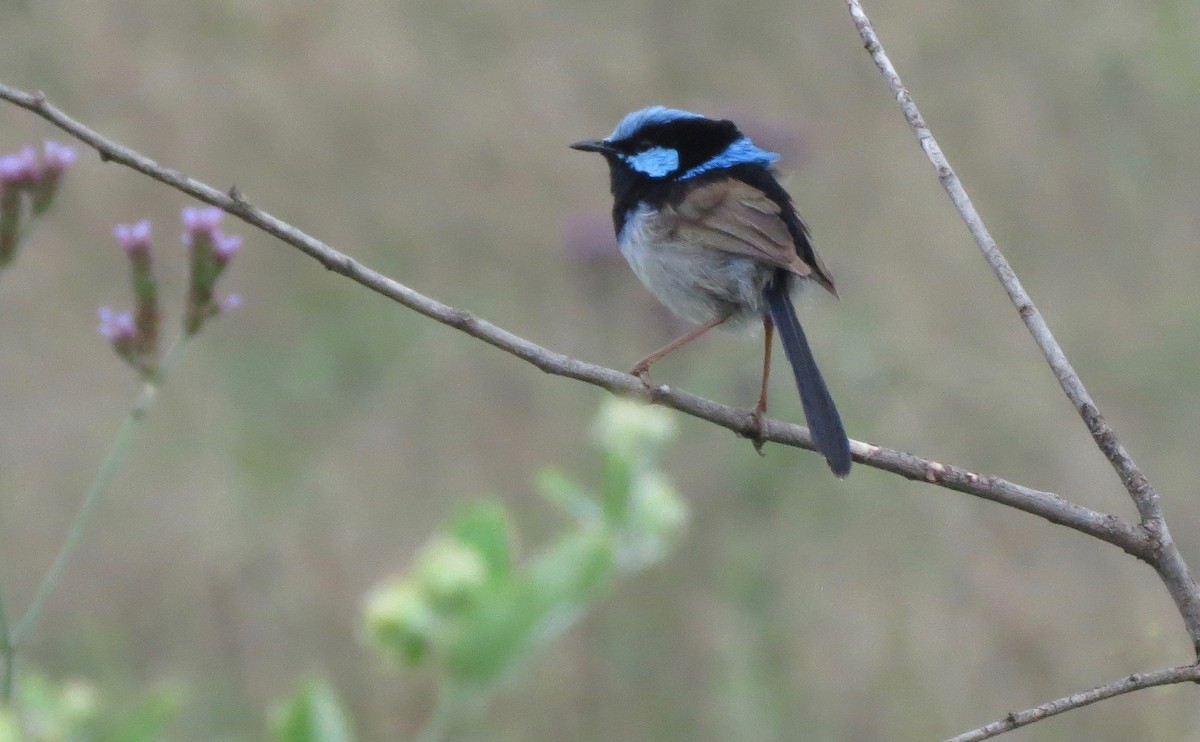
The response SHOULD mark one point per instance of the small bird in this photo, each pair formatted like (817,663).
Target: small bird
(705,225)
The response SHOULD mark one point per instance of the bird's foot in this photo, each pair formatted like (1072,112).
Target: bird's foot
(756,430)
(642,371)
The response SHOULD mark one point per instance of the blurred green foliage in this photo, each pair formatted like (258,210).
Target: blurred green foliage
(478,611)
(76,710)
(313,714)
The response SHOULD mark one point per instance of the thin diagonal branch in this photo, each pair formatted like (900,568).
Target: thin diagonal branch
(1167,560)
(1046,505)
(1135,482)
(1137,681)
(1051,507)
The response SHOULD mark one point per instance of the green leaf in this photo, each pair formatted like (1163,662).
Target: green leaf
(314,714)
(494,637)
(451,574)
(399,620)
(565,493)
(573,570)
(485,527)
(618,480)
(510,621)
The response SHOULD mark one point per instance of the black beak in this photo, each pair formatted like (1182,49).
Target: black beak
(598,145)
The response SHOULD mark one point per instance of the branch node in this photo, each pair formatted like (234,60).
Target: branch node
(39,99)
(1154,538)
(461,319)
(104,155)
(658,395)
(934,472)
(235,195)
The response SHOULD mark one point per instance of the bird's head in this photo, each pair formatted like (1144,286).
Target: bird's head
(660,143)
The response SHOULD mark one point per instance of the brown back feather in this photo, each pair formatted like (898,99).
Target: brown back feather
(737,218)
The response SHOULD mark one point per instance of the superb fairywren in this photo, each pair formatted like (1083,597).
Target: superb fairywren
(708,229)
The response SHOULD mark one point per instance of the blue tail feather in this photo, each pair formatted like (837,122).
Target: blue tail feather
(823,420)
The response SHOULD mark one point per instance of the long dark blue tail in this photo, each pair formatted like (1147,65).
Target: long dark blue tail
(819,410)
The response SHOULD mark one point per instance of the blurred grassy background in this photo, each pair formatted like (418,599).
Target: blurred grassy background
(312,441)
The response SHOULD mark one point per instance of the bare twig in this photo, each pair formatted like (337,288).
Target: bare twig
(1137,681)
(1166,560)
(1108,528)
(1143,494)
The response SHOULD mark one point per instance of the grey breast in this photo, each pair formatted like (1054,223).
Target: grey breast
(697,283)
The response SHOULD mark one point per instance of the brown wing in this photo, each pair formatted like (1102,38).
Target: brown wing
(737,218)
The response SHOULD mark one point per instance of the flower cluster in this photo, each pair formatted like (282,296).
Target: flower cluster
(29,181)
(134,335)
(210,252)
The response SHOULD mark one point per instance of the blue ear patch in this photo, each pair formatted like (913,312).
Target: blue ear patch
(655,162)
(741,152)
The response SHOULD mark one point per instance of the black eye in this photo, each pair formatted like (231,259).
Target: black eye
(643,144)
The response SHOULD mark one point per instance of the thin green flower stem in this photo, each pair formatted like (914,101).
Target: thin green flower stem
(87,510)
(82,518)
(6,651)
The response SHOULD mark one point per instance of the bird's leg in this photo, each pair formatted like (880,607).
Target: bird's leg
(760,410)
(643,366)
